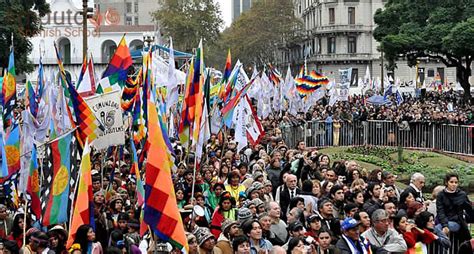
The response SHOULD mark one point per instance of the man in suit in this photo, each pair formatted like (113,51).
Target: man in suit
(417,182)
(288,193)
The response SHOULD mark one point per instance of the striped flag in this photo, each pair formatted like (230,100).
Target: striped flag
(30,101)
(4,171)
(198,84)
(12,149)
(9,88)
(119,63)
(308,84)
(41,82)
(187,117)
(161,211)
(33,188)
(228,110)
(86,84)
(86,121)
(56,180)
(83,212)
(140,191)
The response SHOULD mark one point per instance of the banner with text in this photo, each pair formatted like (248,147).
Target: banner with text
(108,111)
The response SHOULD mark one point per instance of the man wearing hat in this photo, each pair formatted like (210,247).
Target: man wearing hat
(351,242)
(296,229)
(244,214)
(230,229)
(206,242)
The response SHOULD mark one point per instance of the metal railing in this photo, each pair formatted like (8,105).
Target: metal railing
(423,135)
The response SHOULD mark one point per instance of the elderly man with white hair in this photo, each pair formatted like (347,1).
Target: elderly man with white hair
(417,182)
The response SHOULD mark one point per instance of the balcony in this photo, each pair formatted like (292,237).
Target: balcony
(343,57)
(344,29)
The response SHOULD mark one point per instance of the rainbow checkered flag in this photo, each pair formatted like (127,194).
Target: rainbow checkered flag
(88,126)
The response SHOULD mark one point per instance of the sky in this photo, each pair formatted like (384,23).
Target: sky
(226,10)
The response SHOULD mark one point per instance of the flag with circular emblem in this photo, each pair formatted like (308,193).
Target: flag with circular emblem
(33,187)
(56,194)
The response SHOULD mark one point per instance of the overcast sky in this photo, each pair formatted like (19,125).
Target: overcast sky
(226,11)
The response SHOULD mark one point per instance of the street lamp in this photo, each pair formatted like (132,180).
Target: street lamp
(148,37)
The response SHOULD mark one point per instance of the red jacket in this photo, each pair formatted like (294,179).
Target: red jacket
(414,236)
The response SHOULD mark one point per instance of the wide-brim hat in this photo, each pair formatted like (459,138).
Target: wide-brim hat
(58,229)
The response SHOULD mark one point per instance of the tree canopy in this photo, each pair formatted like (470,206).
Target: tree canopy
(257,34)
(189,21)
(438,29)
(22,19)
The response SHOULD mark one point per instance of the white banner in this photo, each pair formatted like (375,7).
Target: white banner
(107,109)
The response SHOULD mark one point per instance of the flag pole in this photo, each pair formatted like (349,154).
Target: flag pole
(194,184)
(24,220)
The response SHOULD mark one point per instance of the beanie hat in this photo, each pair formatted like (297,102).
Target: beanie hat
(202,235)
(258,202)
(250,190)
(227,223)
(257,174)
(257,185)
(244,214)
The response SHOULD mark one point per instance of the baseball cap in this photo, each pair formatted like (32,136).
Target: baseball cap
(349,223)
(295,226)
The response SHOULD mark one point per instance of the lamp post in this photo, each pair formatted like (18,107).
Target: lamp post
(148,38)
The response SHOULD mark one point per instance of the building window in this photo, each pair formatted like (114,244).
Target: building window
(128,21)
(331,45)
(351,44)
(136,7)
(354,77)
(136,21)
(129,7)
(332,16)
(319,45)
(351,13)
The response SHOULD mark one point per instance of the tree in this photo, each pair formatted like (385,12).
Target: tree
(189,21)
(437,29)
(257,34)
(22,19)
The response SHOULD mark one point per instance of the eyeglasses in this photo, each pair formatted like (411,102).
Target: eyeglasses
(383,220)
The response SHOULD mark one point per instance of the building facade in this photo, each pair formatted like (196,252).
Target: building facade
(239,6)
(63,27)
(129,12)
(338,34)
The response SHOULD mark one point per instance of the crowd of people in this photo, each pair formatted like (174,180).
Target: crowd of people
(268,198)
(448,107)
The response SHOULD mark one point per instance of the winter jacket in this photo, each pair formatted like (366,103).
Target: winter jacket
(450,207)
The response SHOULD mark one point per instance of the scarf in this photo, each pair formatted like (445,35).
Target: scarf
(352,245)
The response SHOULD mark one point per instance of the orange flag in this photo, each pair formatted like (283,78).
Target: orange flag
(161,211)
(83,206)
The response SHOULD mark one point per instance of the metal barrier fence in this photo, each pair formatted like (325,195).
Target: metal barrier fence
(442,137)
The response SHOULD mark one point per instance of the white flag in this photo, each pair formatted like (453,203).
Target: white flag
(252,124)
(204,133)
(240,132)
